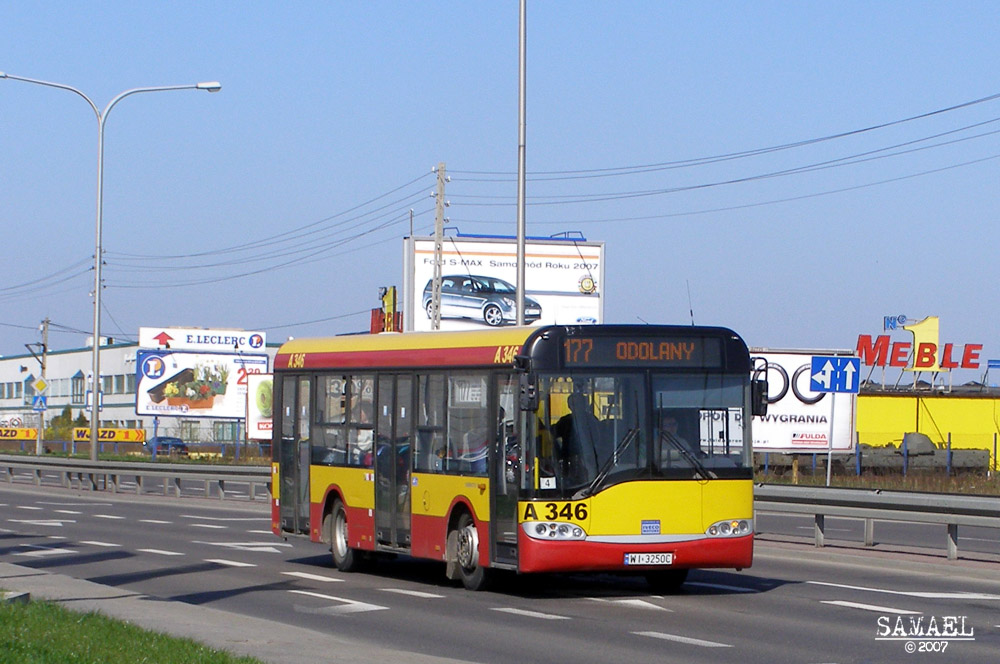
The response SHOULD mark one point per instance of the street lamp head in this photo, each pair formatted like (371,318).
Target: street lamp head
(211,86)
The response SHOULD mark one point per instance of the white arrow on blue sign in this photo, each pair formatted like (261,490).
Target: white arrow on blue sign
(831,373)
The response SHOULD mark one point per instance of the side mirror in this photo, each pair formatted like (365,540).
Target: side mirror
(529,392)
(758,397)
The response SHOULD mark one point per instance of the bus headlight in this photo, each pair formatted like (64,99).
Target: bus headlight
(553,530)
(730,528)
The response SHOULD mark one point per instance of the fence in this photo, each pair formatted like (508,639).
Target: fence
(108,474)
(870,506)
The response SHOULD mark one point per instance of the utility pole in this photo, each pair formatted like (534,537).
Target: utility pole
(439,207)
(521,132)
(39,449)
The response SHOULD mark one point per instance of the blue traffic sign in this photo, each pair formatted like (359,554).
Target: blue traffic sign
(39,403)
(832,373)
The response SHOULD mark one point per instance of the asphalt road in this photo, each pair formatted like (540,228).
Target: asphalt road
(796,604)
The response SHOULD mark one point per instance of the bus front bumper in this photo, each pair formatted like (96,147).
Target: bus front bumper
(587,556)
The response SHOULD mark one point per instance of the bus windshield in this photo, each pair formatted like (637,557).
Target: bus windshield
(595,430)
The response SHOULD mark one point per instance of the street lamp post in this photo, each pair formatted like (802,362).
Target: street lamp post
(102,117)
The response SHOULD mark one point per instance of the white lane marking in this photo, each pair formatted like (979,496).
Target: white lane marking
(256,547)
(161,552)
(260,532)
(412,593)
(530,614)
(73,504)
(208,525)
(96,543)
(153,521)
(348,605)
(632,603)
(67,512)
(684,639)
(720,586)
(39,551)
(49,523)
(28,507)
(230,563)
(910,593)
(313,577)
(871,607)
(108,516)
(56,537)
(225,518)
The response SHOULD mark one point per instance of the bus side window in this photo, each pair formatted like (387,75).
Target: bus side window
(429,450)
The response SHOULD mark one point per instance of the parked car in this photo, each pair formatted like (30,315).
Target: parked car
(491,300)
(166,445)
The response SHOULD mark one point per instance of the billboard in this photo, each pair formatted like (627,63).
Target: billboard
(260,402)
(564,282)
(190,384)
(798,419)
(202,340)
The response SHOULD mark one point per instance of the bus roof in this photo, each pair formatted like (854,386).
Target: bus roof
(409,349)
(500,346)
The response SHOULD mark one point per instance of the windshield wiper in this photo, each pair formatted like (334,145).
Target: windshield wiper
(699,467)
(602,474)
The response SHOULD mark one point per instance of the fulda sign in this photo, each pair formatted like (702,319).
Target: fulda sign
(924,353)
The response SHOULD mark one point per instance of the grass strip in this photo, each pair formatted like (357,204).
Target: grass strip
(41,632)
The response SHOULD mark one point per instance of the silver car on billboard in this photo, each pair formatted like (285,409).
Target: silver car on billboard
(486,299)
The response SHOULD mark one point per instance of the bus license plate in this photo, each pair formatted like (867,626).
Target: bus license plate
(649,559)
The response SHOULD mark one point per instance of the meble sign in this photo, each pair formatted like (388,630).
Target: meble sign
(925,350)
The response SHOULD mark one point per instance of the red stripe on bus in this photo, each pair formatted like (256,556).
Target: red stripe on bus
(410,357)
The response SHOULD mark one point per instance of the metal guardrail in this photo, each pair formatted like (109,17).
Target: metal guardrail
(108,474)
(870,506)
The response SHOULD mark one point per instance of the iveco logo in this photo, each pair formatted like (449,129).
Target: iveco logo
(651,527)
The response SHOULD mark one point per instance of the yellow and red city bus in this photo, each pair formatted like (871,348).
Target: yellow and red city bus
(597,448)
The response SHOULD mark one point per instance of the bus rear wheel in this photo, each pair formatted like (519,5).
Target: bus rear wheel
(474,576)
(345,558)
(667,581)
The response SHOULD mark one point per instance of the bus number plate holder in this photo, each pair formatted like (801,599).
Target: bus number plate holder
(649,559)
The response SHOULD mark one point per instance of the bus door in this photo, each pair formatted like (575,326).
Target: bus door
(294,455)
(506,470)
(393,443)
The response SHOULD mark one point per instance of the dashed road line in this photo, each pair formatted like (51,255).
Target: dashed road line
(313,577)
(40,551)
(871,607)
(412,593)
(96,543)
(208,525)
(229,563)
(909,593)
(346,605)
(161,552)
(529,614)
(157,521)
(684,639)
(631,602)
(108,516)
(67,512)
(48,523)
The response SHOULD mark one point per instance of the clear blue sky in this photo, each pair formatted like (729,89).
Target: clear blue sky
(332,116)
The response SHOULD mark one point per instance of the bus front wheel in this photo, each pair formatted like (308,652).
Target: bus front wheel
(474,576)
(344,557)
